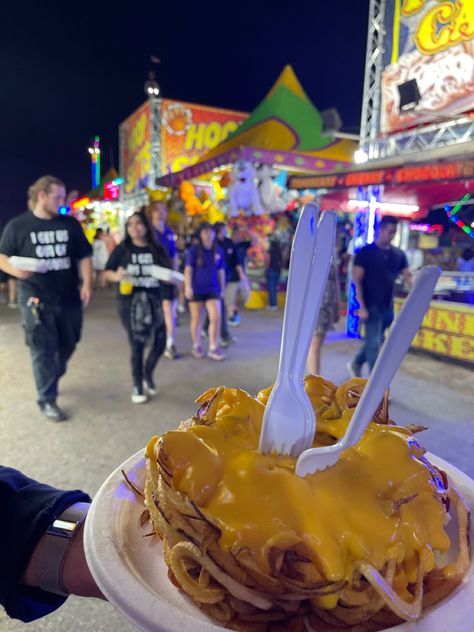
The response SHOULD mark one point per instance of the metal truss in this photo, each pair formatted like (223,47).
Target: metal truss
(426,138)
(370,119)
(155,140)
(444,133)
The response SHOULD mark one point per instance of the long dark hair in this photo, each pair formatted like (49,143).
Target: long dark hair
(160,256)
(200,246)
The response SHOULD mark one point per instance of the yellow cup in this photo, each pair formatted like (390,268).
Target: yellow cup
(126,287)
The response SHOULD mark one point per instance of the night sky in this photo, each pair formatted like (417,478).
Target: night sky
(72,70)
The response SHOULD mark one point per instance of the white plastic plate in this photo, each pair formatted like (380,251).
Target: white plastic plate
(167,275)
(28,264)
(130,570)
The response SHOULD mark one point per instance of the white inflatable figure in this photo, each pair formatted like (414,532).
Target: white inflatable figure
(270,191)
(243,193)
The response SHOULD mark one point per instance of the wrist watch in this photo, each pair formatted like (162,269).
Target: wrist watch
(55,546)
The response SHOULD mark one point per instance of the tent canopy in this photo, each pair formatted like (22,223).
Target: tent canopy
(284,129)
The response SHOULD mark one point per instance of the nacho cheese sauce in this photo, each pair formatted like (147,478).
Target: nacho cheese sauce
(378,502)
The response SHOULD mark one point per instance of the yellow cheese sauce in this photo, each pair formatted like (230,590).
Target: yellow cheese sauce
(334,517)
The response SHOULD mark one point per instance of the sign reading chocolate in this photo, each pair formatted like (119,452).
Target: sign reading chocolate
(412,174)
(428,61)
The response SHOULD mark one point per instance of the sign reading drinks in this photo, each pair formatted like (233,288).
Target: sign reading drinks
(428,62)
(134,135)
(189,131)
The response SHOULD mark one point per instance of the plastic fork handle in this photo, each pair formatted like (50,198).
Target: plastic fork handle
(298,275)
(392,353)
(320,266)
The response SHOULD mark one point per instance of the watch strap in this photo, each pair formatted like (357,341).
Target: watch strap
(54,548)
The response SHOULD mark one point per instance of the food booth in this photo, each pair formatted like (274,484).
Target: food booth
(245,174)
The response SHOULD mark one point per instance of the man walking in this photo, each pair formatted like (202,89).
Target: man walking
(50,300)
(376,268)
(233,270)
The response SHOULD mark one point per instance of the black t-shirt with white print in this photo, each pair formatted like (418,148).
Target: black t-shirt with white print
(60,243)
(138,262)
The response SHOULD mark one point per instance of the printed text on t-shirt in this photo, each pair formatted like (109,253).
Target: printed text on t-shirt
(51,246)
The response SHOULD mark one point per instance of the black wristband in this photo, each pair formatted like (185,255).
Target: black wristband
(54,548)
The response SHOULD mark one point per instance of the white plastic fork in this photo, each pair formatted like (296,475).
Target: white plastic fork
(391,355)
(289,421)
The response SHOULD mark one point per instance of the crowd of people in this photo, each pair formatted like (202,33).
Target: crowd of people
(213,267)
(43,566)
(214,284)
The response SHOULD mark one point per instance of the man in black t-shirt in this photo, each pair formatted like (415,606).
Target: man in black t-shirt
(376,268)
(50,299)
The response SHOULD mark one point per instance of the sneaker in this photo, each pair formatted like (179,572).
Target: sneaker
(12,305)
(181,309)
(272,308)
(234,321)
(197,352)
(216,354)
(225,342)
(355,370)
(149,386)
(170,352)
(52,411)
(138,396)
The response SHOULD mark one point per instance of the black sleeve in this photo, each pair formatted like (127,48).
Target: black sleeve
(27,508)
(8,245)
(235,258)
(116,258)
(403,261)
(360,258)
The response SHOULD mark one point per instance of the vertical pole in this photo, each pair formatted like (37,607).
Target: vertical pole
(366,218)
(95,162)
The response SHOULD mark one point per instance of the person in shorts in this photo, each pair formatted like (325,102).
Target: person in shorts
(204,286)
(328,316)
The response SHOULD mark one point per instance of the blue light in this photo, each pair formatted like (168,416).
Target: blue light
(64,210)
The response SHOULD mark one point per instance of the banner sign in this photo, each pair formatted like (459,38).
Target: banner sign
(415,174)
(134,134)
(428,62)
(447,330)
(189,131)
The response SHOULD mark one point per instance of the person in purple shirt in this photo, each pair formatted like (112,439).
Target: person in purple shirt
(204,286)
(157,213)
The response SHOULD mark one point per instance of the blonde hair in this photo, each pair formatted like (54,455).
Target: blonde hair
(42,184)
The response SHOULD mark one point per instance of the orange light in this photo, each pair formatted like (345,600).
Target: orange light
(83,201)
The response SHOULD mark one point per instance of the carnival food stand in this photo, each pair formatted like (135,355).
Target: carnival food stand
(416,148)
(244,176)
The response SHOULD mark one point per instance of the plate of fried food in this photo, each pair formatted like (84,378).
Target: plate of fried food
(200,531)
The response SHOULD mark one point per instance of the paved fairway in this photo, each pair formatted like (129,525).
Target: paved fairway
(106,428)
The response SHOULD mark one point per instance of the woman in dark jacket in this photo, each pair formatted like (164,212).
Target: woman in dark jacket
(139,300)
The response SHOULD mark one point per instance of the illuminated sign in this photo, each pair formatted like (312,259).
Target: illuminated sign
(135,149)
(428,62)
(189,131)
(112,190)
(80,203)
(426,228)
(416,174)
(447,330)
